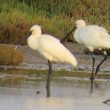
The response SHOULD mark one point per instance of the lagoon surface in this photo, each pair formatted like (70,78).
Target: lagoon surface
(19,94)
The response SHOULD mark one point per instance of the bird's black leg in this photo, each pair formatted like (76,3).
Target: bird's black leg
(108,100)
(100,64)
(49,79)
(92,74)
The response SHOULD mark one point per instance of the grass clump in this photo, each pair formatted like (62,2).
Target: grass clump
(9,56)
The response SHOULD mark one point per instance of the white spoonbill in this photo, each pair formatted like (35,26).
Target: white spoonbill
(93,37)
(50,48)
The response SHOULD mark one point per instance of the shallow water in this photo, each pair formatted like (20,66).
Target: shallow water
(19,94)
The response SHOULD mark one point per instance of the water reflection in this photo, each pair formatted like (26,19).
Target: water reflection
(64,104)
(50,104)
(65,95)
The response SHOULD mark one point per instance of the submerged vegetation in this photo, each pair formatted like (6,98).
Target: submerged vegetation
(56,17)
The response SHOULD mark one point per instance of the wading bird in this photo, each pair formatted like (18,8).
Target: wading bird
(93,37)
(50,48)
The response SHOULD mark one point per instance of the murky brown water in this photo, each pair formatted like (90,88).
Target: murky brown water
(20,94)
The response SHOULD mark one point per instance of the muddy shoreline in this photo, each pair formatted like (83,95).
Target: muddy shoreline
(33,60)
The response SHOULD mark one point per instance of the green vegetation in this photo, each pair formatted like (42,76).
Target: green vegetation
(55,75)
(10,56)
(56,17)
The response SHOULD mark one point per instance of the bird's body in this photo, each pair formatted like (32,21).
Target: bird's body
(50,48)
(93,37)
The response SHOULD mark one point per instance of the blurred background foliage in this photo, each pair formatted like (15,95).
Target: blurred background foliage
(56,17)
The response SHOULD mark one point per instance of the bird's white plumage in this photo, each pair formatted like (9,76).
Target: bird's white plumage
(92,36)
(49,47)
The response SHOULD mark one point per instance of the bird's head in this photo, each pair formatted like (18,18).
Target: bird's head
(36,29)
(80,23)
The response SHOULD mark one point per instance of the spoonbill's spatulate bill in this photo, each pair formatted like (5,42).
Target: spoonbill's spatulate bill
(50,48)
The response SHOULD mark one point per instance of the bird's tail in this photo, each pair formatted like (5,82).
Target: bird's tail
(71,59)
(74,62)
(106,42)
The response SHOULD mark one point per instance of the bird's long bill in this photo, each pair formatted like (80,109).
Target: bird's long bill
(67,36)
(23,40)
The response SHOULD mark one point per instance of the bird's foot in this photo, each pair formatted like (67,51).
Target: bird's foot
(105,102)
(92,78)
(97,70)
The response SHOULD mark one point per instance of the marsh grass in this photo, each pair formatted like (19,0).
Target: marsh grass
(10,56)
(56,17)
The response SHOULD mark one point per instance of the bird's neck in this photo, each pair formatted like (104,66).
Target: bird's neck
(80,27)
(36,33)
(32,42)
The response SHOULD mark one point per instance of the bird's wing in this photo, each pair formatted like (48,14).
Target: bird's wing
(94,36)
(102,29)
(104,38)
(52,47)
(87,35)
